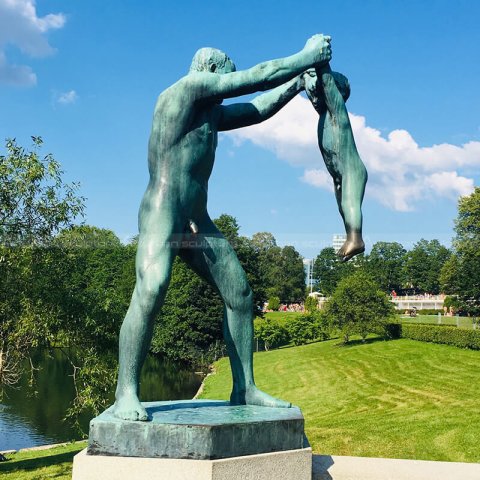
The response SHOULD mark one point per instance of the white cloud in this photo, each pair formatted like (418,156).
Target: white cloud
(21,27)
(401,173)
(67,97)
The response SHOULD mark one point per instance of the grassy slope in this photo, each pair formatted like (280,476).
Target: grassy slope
(35,465)
(398,399)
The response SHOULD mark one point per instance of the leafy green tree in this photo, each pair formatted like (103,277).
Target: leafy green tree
(273,303)
(460,273)
(35,203)
(358,306)
(385,264)
(328,270)
(423,265)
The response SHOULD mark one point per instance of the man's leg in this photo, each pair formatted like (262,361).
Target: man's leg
(153,265)
(216,261)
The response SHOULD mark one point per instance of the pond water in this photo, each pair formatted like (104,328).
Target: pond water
(34,416)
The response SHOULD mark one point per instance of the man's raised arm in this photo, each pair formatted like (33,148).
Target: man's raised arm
(263,76)
(260,108)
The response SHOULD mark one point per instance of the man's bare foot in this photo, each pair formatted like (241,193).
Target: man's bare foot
(128,407)
(353,245)
(254,396)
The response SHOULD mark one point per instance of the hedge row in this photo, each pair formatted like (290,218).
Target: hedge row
(457,337)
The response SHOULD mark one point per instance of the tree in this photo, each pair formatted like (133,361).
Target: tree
(328,270)
(358,306)
(35,203)
(423,265)
(385,264)
(460,273)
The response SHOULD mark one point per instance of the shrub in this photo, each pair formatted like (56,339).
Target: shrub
(458,337)
(307,328)
(273,303)
(443,334)
(272,333)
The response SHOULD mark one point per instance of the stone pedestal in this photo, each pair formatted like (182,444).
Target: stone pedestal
(289,465)
(198,429)
(197,440)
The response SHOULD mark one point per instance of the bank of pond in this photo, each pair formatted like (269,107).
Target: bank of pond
(34,413)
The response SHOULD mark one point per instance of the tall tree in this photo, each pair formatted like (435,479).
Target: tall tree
(328,270)
(461,273)
(423,264)
(358,306)
(385,264)
(35,203)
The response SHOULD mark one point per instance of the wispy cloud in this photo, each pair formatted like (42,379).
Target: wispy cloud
(401,173)
(21,27)
(67,98)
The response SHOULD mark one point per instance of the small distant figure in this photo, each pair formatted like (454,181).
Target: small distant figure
(394,294)
(328,91)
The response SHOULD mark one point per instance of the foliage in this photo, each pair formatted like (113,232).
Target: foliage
(328,270)
(458,337)
(459,275)
(423,265)
(358,306)
(35,203)
(308,328)
(385,264)
(272,333)
(273,303)
(191,318)
(311,304)
(281,269)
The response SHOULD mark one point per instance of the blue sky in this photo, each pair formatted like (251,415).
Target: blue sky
(85,76)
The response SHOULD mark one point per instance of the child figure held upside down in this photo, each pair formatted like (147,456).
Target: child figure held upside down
(328,91)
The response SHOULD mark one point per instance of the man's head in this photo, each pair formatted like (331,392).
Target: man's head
(313,88)
(211,60)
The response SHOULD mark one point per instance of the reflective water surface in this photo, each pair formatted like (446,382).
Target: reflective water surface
(34,416)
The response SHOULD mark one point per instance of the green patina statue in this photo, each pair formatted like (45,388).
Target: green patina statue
(173,217)
(328,91)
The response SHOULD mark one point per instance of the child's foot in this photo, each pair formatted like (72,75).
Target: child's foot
(353,245)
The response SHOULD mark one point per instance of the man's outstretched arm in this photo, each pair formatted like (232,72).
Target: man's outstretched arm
(263,76)
(260,108)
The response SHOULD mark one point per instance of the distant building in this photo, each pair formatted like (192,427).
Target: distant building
(338,240)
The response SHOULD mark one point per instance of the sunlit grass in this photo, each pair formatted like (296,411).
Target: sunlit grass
(398,399)
(35,465)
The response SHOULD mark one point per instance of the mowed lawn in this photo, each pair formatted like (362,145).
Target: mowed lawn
(35,465)
(397,399)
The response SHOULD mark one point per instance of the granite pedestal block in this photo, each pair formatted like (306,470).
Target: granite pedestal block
(198,429)
(290,465)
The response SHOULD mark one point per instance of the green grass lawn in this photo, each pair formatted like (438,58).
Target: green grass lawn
(285,316)
(463,322)
(35,465)
(397,399)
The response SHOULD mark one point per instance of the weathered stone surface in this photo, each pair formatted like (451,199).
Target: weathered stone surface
(198,429)
(290,465)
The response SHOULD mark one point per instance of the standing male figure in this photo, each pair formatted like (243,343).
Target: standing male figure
(328,91)
(181,153)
